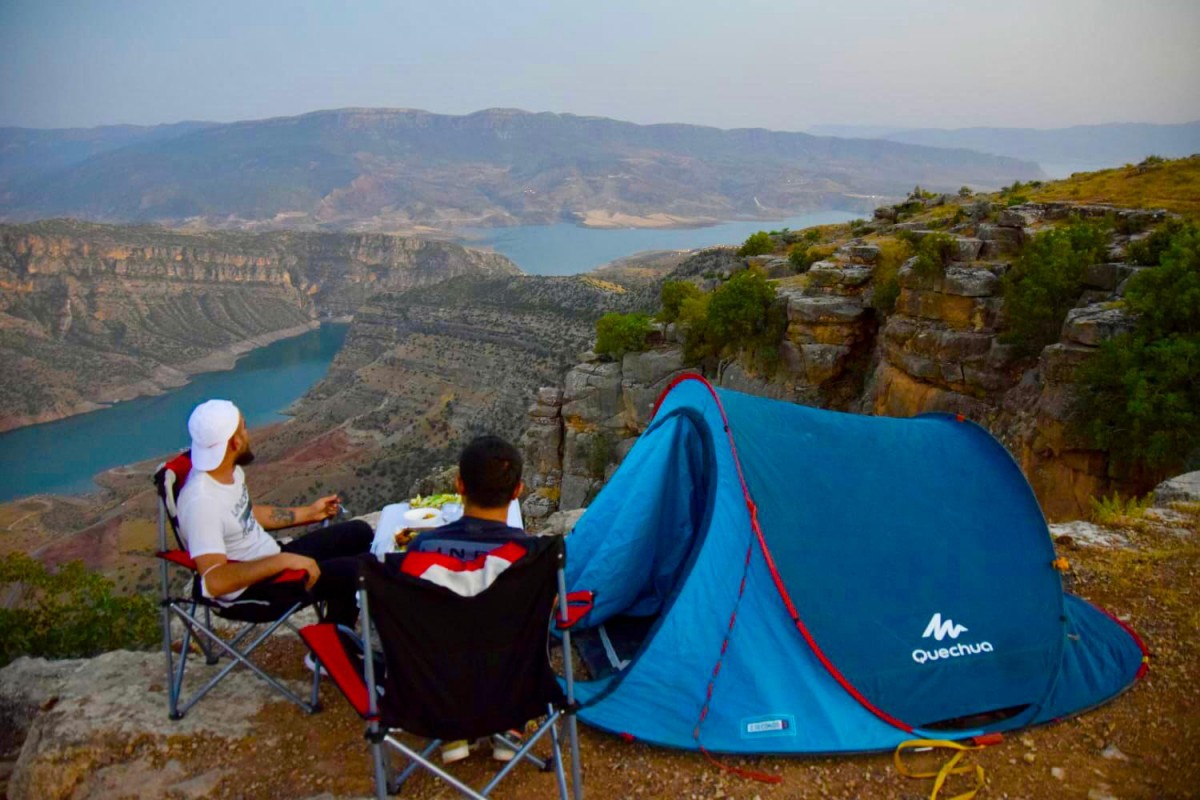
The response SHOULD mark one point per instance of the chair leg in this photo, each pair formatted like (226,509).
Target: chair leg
(172,688)
(559,774)
(576,771)
(395,786)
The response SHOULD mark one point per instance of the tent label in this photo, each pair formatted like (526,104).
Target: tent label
(774,725)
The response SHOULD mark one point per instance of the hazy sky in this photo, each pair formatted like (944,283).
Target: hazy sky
(782,64)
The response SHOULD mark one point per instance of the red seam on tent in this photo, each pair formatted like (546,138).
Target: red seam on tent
(1145,667)
(762,542)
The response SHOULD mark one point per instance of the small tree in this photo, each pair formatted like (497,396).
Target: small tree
(757,244)
(618,334)
(673,294)
(1046,281)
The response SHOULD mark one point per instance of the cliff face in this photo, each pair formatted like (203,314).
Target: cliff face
(423,371)
(90,314)
(938,350)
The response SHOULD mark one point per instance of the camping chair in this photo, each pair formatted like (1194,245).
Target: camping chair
(465,649)
(195,611)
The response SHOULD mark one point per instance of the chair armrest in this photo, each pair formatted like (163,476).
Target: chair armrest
(183,559)
(178,557)
(322,638)
(579,605)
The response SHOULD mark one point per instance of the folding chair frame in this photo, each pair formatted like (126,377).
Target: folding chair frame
(196,614)
(378,736)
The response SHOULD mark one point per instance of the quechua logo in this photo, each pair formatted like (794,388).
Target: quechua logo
(939,629)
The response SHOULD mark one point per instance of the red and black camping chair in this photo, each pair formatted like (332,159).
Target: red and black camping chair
(465,653)
(196,612)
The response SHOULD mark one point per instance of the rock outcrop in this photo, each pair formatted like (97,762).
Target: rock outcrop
(939,349)
(92,314)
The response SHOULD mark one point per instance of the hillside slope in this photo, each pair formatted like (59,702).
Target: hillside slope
(387,169)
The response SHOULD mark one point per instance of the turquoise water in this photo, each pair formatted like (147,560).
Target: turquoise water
(567,249)
(62,456)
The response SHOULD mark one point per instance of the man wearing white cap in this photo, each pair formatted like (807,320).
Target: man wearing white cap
(227,535)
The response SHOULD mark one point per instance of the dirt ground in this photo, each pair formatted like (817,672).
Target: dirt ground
(1144,744)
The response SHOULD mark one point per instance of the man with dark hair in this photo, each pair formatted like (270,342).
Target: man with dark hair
(489,478)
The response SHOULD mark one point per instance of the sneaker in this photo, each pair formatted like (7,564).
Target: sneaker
(502,751)
(311,664)
(455,751)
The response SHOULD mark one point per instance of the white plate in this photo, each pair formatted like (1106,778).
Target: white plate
(423,518)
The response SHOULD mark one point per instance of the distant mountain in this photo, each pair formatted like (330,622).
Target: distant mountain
(390,169)
(27,154)
(1085,146)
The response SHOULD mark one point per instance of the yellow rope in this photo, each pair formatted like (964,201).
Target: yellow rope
(951,767)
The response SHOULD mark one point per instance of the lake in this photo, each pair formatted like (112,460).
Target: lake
(62,456)
(567,249)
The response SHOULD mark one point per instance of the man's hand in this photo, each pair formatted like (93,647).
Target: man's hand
(297,561)
(325,508)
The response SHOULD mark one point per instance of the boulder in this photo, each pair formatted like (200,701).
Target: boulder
(1107,277)
(969,282)
(1180,489)
(886,213)
(831,274)
(97,726)
(1095,324)
(561,523)
(967,248)
(1000,241)
(823,309)
(592,391)
(1019,216)
(863,253)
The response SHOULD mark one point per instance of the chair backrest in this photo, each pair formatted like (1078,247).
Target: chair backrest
(462,666)
(169,480)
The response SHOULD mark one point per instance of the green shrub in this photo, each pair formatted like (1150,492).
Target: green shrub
(934,252)
(1046,282)
(1139,397)
(618,334)
(672,295)
(757,244)
(740,317)
(802,256)
(892,254)
(70,613)
(1148,251)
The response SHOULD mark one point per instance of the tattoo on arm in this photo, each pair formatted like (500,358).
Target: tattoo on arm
(283,516)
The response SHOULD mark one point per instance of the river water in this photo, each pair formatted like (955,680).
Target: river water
(567,249)
(61,457)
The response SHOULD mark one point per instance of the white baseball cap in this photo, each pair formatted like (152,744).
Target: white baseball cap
(212,425)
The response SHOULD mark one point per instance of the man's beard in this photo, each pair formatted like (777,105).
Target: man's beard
(244,458)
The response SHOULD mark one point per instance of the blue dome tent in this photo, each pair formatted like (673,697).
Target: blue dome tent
(818,582)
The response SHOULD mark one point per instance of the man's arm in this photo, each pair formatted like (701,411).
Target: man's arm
(222,576)
(275,517)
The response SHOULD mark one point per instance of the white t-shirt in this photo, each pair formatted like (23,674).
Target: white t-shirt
(218,518)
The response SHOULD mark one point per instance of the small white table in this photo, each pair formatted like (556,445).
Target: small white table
(391,519)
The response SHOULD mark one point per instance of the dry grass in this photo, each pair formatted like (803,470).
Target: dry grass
(1173,185)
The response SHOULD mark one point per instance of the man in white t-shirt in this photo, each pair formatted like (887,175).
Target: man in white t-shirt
(226,534)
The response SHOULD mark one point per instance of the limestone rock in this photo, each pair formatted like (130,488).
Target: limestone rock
(83,715)
(863,253)
(1180,489)
(967,249)
(1107,277)
(1000,241)
(1095,324)
(561,523)
(814,310)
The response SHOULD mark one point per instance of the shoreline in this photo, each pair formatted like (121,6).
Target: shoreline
(166,378)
